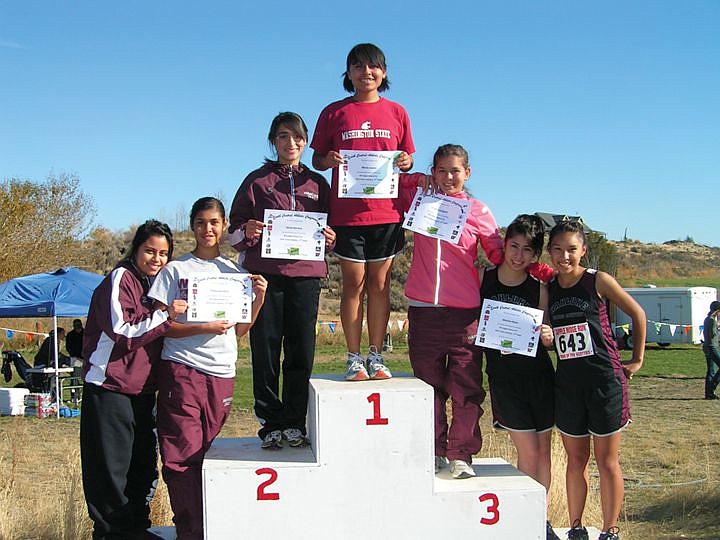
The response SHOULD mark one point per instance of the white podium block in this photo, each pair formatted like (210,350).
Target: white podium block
(369,470)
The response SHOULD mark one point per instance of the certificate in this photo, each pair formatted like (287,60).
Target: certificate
(293,235)
(509,328)
(367,174)
(220,297)
(437,215)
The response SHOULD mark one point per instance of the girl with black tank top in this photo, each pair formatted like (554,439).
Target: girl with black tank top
(591,395)
(522,387)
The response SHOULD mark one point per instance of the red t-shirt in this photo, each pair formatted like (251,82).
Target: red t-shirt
(352,125)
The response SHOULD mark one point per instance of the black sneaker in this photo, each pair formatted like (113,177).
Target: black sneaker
(711,396)
(272,441)
(551,533)
(613,533)
(577,532)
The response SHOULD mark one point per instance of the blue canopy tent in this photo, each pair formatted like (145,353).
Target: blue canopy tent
(64,293)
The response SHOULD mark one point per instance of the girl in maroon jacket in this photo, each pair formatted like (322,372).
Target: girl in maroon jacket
(120,345)
(288,317)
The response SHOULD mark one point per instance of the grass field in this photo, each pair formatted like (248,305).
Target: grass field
(669,456)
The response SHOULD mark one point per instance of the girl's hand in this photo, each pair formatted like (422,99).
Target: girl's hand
(425,182)
(253,230)
(177,307)
(259,286)
(217,327)
(632,367)
(404,161)
(332,159)
(329,237)
(546,335)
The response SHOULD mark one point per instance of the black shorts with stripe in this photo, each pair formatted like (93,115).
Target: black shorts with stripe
(590,405)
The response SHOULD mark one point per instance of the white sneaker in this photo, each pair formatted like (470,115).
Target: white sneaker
(376,366)
(441,462)
(461,469)
(294,437)
(272,441)
(356,368)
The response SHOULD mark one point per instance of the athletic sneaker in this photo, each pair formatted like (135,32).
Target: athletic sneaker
(294,437)
(461,469)
(613,533)
(273,440)
(376,366)
(355,368)
(577,532)
(441,462)
(550,532)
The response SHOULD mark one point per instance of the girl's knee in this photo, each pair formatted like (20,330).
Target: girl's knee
(608,464)
(578,459)
(377,287)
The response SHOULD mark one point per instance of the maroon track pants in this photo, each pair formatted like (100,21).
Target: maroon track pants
(443,354)
(191,409)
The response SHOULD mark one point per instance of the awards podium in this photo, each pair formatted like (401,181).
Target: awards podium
(367,473)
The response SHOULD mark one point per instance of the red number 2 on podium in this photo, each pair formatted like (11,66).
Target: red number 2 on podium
(376,419)
(261,494)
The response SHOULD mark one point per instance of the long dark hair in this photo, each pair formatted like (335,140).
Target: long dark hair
(568,226)
(365,53)
(531,227)
(290,120)
(206,203)
(151,227)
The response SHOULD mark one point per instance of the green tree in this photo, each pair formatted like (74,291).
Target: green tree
(103,248)
(40,223)
(601,254)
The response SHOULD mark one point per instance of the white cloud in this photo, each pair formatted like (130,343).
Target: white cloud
(10,44)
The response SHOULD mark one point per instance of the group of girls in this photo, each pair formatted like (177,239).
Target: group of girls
(192,370)
(195,363)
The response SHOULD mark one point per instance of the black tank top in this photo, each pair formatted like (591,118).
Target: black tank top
(526,294)
(583,337)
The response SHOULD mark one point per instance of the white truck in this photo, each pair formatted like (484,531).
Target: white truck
(674,314)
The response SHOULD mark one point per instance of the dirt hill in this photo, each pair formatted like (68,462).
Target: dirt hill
(673,263)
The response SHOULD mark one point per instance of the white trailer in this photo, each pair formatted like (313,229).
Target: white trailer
(674,314)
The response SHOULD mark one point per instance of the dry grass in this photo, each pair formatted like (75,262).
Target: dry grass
(40,482)
(669,458)
(32,473)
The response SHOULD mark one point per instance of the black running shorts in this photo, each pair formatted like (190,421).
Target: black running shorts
(369,243)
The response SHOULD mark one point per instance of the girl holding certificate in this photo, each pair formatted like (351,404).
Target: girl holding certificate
(368,228)
(443,289)
(591,384)
(522,387)
(287,320)
(121,349)
(196,377)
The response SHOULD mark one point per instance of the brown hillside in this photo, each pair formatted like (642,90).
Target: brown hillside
(673,263)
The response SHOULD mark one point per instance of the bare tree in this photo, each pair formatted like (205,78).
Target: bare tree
(40,223)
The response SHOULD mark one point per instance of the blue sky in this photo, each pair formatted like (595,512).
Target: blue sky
(609,110)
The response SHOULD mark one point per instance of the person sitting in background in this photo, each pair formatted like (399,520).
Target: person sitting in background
(711,348)
(46,354)
(74,343)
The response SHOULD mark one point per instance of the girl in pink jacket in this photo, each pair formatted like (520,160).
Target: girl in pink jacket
(443,289)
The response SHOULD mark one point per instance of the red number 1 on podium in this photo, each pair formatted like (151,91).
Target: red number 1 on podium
(377,419)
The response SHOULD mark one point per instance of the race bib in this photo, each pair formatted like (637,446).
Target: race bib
(573,341)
